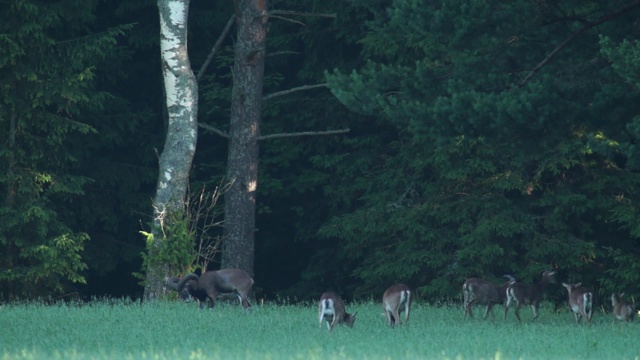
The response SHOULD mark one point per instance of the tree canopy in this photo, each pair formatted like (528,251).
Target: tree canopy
(485,138)
(495,161)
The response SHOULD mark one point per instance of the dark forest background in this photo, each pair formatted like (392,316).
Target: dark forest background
(486,137)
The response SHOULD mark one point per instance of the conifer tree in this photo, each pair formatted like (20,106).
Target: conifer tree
(502,152)
(48,90)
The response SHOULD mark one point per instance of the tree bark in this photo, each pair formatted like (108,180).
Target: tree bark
(181,92)
(244,129)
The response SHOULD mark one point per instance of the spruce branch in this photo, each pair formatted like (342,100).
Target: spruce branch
(584,29)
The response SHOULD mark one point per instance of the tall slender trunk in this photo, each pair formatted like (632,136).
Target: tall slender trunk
(10,196)
(246,103)
(181,92)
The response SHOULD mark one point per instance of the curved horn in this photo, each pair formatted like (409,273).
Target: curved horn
(184,280)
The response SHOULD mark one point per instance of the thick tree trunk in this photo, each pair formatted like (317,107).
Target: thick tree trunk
(181,92)
(246,102)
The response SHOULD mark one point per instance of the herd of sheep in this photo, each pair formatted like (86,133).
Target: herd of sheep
(479,291)
(397,298)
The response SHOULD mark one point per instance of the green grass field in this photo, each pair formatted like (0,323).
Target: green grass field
(174,330)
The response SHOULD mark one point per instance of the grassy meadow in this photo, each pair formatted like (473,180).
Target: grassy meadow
(175,330)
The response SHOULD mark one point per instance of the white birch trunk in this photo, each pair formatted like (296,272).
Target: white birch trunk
(181,92)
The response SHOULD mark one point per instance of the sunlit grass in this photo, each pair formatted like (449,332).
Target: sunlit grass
(173,330)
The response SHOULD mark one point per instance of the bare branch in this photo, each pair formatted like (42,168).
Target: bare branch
(287,19)
(214,130)
(277,53)
(289,91)
(304,133)
(398,203)
(298,13)
(205,218)
(216,46)
(589,25)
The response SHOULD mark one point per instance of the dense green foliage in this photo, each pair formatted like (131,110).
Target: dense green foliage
(178,330)
(460,161)
(484,171)
(49,104)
